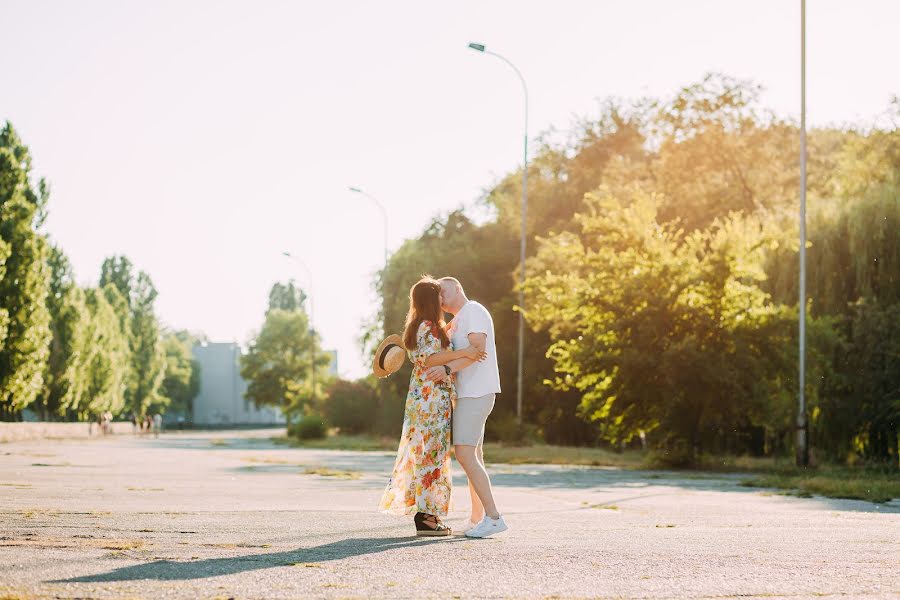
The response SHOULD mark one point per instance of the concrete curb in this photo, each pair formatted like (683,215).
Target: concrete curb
(17,432)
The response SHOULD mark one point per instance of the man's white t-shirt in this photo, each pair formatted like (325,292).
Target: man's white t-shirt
(481,378)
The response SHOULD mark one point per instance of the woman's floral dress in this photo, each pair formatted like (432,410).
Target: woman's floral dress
(421,478)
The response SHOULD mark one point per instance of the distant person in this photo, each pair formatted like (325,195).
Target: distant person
(477,385)
(147,424)
(157,424)
(421,482)
(134,423)
(180,422)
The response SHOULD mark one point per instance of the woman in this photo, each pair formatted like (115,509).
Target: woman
(420,482)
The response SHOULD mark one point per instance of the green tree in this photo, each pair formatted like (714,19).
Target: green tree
(853,282)
(116,274)
(872,371)
(689,288)
(181,383)
(108,366)
(66,376)
(560,175)
(721,152)
(660,331)
(134,306)
(286,297)
(147,352)
(278,364)
(118,271)
(24,319)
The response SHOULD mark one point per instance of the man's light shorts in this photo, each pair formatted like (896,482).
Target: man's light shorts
(469,418)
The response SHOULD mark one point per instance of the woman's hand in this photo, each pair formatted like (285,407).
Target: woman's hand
(436,374)
(474,353)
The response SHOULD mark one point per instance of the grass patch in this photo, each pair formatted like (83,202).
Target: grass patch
(495,453)
(873,483)
(268,460)
(561,455)
(326,472)
(834,482)
(123,545)
(31,513)
(746,464)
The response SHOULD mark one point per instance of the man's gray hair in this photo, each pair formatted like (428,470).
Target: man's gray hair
(453,280)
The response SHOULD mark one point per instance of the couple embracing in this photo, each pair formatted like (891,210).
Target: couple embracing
(451,393)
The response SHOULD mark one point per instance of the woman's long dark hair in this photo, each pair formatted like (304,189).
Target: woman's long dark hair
(424,305)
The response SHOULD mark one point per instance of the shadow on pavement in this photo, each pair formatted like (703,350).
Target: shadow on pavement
(168,570)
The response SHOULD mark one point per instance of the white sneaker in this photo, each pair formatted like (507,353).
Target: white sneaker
(487,527)
(467,526)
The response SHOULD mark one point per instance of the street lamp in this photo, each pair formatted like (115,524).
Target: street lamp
(312,318)
(519,376)
(802,437)
(383,216)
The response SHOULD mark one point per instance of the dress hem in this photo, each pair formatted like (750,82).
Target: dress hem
(409,510)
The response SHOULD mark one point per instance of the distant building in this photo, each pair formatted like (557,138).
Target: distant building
(333,365)
(221,399)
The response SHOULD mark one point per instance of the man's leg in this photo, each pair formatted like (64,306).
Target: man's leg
(478,478)
(477,506)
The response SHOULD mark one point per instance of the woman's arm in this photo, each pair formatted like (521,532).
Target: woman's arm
(476,340)
(442,358)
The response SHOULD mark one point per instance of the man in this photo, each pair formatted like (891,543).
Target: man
(477,384)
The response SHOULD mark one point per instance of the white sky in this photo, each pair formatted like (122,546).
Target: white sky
(203,138)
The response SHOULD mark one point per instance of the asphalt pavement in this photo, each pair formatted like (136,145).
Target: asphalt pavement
(233,515)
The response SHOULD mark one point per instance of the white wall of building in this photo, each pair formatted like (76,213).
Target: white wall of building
(221,399)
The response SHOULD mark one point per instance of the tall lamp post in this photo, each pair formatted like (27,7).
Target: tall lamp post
(384,216)
(312,319)
(519,374)
(802,437)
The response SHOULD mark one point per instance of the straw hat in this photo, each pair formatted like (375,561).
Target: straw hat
(389,356)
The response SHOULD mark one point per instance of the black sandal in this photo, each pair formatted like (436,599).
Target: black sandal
(430,526)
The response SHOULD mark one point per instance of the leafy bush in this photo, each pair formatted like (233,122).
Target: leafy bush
(351,406)
(310,427)
(678,455)
(390,411)
(502,427)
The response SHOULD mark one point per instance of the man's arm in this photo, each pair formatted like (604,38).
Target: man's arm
(478,340)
